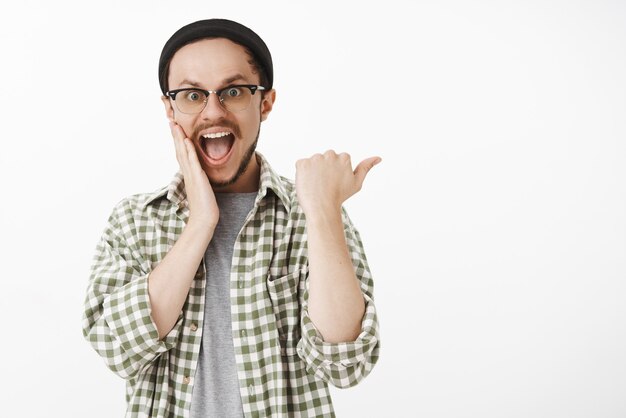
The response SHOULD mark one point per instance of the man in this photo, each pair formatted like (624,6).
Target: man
(232,291)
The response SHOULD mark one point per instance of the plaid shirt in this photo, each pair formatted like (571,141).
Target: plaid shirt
(283,364)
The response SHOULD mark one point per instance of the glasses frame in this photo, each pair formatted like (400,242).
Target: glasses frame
(252,87)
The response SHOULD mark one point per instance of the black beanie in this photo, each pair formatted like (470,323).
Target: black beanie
(220,28)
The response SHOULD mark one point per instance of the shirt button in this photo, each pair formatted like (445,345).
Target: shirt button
(251,390)
(193,327)
(241,282)
(243,333)
(186,380)
(199,275)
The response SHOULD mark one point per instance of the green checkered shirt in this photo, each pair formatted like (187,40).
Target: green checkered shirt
(283,364)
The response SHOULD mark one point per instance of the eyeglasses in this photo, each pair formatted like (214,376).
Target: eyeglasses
(234,98)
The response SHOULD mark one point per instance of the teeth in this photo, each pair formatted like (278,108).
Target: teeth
(216,135)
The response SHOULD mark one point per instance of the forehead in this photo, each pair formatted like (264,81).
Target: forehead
(208,62)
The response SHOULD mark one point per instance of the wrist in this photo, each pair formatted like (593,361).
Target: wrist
(323,213)
(202,226)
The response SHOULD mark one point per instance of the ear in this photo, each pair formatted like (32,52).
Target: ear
(267,103)
(169,110)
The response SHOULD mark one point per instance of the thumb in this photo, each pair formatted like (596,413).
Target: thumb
(363,168)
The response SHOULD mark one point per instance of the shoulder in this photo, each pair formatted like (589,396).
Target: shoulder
(135,207)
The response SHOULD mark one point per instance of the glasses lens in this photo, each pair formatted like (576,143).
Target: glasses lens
(190,101)
(236,98)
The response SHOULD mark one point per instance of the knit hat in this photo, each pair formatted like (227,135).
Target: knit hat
(219,28)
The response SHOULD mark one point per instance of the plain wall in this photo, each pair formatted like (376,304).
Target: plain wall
(495,227)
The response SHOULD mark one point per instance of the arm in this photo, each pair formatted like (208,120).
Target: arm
(116,318)
(339,324)
(343,364)
(133,315)
(323,183)
(126,308)
(170,281)
(336,304)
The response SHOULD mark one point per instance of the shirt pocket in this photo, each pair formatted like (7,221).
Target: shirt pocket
(283,292)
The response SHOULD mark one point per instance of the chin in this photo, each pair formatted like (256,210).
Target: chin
(222,180)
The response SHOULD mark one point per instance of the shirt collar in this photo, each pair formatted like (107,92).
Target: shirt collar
(269,180)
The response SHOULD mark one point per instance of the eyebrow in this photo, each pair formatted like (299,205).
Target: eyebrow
(224,82)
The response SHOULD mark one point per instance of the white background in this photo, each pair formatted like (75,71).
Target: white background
(495,226)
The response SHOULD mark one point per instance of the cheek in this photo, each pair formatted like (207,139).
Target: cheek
(185,122)
(250,124)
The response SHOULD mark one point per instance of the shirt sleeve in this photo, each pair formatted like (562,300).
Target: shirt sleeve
(116,317)
(343,364)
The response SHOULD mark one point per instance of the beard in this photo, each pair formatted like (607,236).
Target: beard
(243,166)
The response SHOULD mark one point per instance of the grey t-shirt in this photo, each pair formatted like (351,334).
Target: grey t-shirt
(216,388)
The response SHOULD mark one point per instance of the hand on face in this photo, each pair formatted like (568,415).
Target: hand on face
(324,182)
(203,208)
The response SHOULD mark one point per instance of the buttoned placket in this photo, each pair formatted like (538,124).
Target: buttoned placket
(194,318)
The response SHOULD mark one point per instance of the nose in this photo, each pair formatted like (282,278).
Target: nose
(213,109)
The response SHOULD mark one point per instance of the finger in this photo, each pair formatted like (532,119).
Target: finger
(177,142)
(345,157)
(181,153)
(192,156)
(177,131)
(363,168)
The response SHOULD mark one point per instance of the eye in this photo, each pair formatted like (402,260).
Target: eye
(194,96)
(233,92)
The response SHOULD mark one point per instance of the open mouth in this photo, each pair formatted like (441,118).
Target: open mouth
(217,146)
